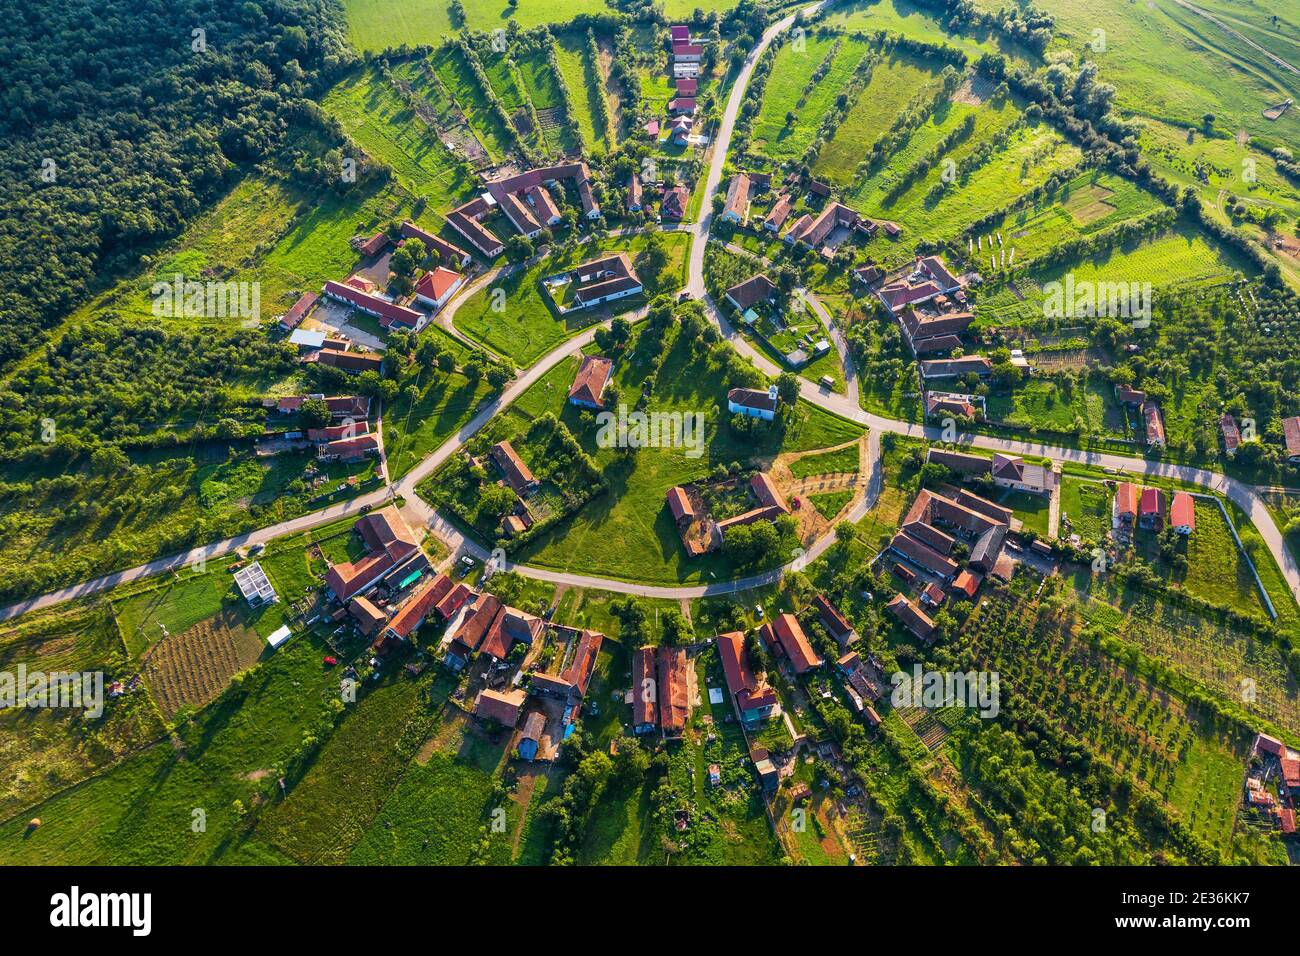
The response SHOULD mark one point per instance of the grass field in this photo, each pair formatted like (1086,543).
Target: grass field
(894,83)
(627,533)
(1180,255)
(386,24)
(374,114)
(1093,201)
(792,71)
(1169,63)
(529,327)
(413,429)
(578,74)
(185,802)
(1032,153)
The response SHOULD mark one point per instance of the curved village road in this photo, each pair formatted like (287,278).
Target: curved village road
(1243,495)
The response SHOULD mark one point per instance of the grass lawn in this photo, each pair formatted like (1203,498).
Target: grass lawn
(626,532)
(1086,505)
(414,429)
(832,462)
(529,326)
(831,503)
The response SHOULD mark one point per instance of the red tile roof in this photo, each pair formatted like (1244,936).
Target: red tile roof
(643,687)
(435,283)
(375,244)
(742,682)
(518,475)
(389,543)
(453,600)
(502,707)
(679,504)
(1152,502)
(388,312)
(1183,511)
(298,311)
(1291,434)
(967,583)
(832,619)
(674,703)
(583,663)
(765,490)
(593,375)
(1126,496)
(416,608)
(795,643)
(445,250)
(475,627)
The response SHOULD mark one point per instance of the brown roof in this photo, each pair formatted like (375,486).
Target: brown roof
(445,250)
(593,375)
(911,616)
(583,662)
(1291,434)
(368,616)
(350,361)
(518,475)
(388,312)
(375,244)
(503,707)
(1129,395)
(1152,502)
(643,686)
(1154,423)
(674,202)
(453,600)
(389,542)
(753,398)
(795,643)
(416,608)
(298,311)
(674,704)
(765,490)
(967,583)
(741,680)
(755,289)
(479,236)
(779,212)
(737,196)
(476,625)
(1126,497)
(929,534)
(923,555)
(509,627)
(679,504)
(831,617)
(1231,433)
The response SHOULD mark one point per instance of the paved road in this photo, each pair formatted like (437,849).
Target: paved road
(1238,492)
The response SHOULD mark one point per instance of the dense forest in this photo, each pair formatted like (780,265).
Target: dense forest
(119,120)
